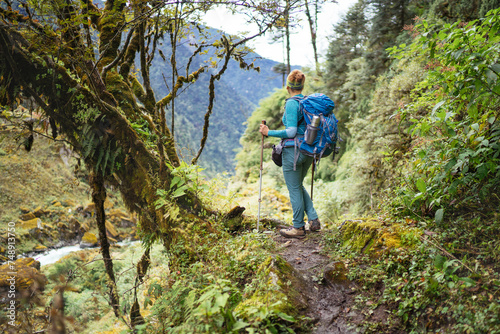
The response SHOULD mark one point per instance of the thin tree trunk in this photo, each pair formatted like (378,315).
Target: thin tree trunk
(313,23)
(287,36)
(173,43)
(98,197)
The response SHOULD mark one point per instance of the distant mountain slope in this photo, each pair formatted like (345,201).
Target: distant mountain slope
(237,95)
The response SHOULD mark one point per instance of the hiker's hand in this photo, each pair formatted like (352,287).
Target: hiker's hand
(263,129)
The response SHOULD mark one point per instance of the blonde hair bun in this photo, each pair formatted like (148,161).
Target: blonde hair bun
(296,79)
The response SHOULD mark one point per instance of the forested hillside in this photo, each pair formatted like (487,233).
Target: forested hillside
(391,75)
(409,208)
(416,87)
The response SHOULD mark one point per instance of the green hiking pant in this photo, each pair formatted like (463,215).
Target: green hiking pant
(300,199)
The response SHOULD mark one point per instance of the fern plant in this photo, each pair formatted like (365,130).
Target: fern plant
(101,149)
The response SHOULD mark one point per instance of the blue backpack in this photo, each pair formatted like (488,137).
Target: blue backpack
(318,141)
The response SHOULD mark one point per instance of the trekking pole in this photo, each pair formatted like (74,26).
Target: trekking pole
(260,176)
(312,177)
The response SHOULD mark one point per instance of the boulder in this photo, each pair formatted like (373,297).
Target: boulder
(40,248)
(108,204)
(43,235)
(284,291)
(66,233)
(68,203)
(38,212)
(120,218)
(88,240)
(24,209)
(127,222)
(74,225)
(234,220)
(111,230)
(373,236)
(32,223)
(117,213)
(88,210)
(85,227)
(27,216)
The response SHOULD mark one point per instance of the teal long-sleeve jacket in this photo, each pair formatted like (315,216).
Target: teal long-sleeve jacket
(292,120)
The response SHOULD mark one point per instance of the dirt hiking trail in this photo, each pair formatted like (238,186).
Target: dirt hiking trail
(330,296)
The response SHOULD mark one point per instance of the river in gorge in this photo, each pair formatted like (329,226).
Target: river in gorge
(54,255)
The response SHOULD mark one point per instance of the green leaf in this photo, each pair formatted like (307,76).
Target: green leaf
(221,300)
(450,164)
(286,317)
(438,217)
(495,68)
(421,186)
(439,261)
(179,192)
(482,171)
(458,53)
(417,197)
(439,104)
(176,181)
(433,48)
(468,282)
(441,115)
(491,77)
(239,325)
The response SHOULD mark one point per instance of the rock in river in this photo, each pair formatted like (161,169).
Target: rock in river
(88,240)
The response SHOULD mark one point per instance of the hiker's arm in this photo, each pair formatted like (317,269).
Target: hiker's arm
(290,120)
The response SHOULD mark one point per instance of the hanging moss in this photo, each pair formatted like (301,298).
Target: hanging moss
(123,94)
(109,26)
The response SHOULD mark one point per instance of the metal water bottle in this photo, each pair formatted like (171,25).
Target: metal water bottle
(312,130)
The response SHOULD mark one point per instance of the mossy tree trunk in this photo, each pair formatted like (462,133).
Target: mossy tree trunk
(77,63)
(94,112)
(99,196)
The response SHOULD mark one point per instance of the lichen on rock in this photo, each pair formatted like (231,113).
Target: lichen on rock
(89,239)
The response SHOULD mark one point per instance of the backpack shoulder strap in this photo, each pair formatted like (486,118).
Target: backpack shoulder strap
(298,99)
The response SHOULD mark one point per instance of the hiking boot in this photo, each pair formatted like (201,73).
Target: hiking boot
(314,225)
(292,232)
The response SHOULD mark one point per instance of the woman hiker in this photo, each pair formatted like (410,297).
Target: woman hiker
(294,171)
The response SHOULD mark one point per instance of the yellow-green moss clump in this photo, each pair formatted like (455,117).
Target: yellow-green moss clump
(373,235)
(88,240)
(280,290)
